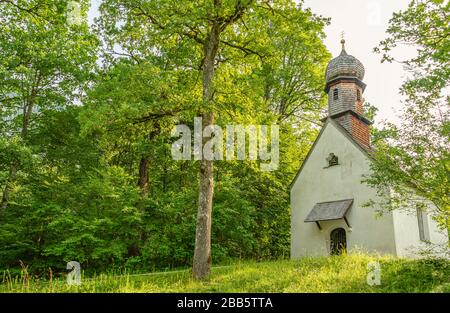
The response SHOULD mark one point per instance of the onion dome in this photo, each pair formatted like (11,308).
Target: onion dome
(344,65)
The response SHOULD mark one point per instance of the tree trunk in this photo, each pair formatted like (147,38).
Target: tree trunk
(202,255)
(6,191)
(27,112)
(143,176)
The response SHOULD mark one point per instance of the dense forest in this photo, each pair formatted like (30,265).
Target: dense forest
(87,112)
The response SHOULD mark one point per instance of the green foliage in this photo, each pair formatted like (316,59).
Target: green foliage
(86,170)
(414,156)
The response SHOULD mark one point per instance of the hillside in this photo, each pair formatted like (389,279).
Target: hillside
(334,274)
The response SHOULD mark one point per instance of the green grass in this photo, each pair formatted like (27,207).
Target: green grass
(333,274)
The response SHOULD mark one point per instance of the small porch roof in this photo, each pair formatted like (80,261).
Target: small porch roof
(326,211)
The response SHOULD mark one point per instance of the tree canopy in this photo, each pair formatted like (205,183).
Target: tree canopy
(413,157)
(86,115)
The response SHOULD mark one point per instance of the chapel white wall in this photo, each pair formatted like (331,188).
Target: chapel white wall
(318,184)
(407,234)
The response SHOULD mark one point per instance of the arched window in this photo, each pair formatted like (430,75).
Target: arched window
(358,95)
(338,241)
(335,94)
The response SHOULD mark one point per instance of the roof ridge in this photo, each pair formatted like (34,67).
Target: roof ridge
(367,151)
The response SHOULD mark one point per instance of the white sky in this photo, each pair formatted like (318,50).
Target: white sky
(364,23)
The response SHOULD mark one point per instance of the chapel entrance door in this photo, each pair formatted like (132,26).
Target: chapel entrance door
(338,241)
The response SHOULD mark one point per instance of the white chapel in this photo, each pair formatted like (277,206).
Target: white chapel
(328,195)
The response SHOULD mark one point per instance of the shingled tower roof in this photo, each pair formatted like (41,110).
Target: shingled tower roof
(344,65)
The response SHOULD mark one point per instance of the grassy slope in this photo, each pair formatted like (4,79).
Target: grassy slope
(334,274)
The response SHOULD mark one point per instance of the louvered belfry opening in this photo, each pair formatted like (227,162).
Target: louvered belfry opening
(338,241)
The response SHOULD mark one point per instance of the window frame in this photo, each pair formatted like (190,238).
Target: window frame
(335,94)
(422,218)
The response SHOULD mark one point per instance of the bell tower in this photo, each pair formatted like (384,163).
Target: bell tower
(345,87)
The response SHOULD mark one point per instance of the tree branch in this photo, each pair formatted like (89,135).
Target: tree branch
(246,50)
